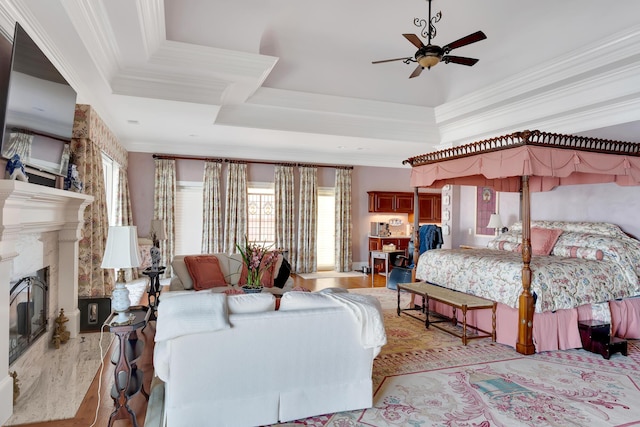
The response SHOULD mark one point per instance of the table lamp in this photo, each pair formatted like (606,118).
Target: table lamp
(495,222)
(121,252)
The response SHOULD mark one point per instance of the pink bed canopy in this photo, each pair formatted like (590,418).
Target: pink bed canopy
(528,161)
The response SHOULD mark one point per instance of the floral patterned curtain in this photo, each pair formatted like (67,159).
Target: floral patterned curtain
(93,280)
(285,211)
(124,214)
(212,212)
(164,202)
(343,224)
(235,221)
(306,261)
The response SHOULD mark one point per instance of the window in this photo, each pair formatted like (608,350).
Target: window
(111,172)
(188,218)
(326,238)
(261,217)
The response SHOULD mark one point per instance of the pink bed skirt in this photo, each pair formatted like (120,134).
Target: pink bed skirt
(551,330)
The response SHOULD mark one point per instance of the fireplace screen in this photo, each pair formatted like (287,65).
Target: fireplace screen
(27,311)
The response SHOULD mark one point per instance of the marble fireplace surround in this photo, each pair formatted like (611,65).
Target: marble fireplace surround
(30,211)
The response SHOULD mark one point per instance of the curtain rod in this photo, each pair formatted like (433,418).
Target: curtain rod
(260,162)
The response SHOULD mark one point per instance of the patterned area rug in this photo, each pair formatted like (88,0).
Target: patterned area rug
(428,378)
(330,274)
(387,297)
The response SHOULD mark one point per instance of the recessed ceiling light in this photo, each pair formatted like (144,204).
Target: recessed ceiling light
(341,147)
(133,122)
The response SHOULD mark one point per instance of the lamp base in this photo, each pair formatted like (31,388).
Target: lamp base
(120,303)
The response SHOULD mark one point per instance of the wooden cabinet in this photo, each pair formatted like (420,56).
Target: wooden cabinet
(430,206)
(386,201)
(376,243)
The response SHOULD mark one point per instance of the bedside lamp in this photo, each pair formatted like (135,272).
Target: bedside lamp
(121,252)
(495,222)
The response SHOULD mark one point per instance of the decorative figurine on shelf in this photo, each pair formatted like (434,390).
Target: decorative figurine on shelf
(155,258)
(61,335)
(72,180)
(15,169)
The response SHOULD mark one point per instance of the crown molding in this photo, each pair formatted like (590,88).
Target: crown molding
(611,50)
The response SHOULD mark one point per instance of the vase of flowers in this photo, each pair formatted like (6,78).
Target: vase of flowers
(257,258)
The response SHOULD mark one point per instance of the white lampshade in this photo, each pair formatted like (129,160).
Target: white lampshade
(157,229)
(121,252)
(495,222)
(122,248)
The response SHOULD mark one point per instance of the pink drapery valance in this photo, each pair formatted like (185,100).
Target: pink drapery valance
(547,167)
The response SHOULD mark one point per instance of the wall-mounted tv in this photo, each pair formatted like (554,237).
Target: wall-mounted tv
(39,107)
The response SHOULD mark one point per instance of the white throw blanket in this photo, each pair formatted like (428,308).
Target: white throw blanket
(368,314)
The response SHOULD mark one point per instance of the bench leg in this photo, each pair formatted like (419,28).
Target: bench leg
(425,309)
(464,324)
(493,322)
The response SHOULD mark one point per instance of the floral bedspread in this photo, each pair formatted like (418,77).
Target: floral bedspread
(559,282)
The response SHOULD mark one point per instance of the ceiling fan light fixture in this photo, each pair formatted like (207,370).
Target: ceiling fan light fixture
(428,61)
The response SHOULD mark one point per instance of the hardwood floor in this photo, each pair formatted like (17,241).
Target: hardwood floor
(89,407)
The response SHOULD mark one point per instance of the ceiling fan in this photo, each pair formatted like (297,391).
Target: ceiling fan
(430,55)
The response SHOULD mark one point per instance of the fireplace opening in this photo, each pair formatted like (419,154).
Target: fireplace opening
(27,311)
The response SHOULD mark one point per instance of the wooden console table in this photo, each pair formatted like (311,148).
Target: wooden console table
(127,377)
(457,300)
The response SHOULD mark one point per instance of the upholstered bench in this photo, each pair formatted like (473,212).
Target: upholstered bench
(457,300)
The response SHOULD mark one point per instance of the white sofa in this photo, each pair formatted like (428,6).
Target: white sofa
(235,361)
(231,267)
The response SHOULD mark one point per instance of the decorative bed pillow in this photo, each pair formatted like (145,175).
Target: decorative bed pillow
(577,252)
(204,271)
(251,303)
(503,245)
(543,239)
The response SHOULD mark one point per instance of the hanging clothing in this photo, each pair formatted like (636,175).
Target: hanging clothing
(430,237)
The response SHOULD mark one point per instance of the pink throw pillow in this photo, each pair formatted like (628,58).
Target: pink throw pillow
(543,239)
(204,271)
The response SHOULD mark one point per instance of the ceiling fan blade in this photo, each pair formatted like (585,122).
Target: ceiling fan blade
(390,60)
(414,40)
(459,60)
(417,71)
(471,38)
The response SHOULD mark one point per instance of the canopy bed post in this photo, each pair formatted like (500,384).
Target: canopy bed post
(416,232)
(526,302)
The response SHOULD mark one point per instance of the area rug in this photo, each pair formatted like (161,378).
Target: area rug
(330,274)
(388,298)
(487,384)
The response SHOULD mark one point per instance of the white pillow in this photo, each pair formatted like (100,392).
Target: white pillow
(251,303)
(305,300)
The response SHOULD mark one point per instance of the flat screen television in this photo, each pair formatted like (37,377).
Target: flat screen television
(39,107)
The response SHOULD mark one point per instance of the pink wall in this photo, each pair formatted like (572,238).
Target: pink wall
(141,178)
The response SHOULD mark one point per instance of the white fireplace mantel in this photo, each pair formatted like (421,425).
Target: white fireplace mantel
(30,209)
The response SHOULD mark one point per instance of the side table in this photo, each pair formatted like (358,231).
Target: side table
(154,288)
(127,376)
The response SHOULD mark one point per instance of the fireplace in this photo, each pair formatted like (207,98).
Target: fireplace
(27,311)
(39,230)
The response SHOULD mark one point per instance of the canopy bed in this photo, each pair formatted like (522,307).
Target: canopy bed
(526,162)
